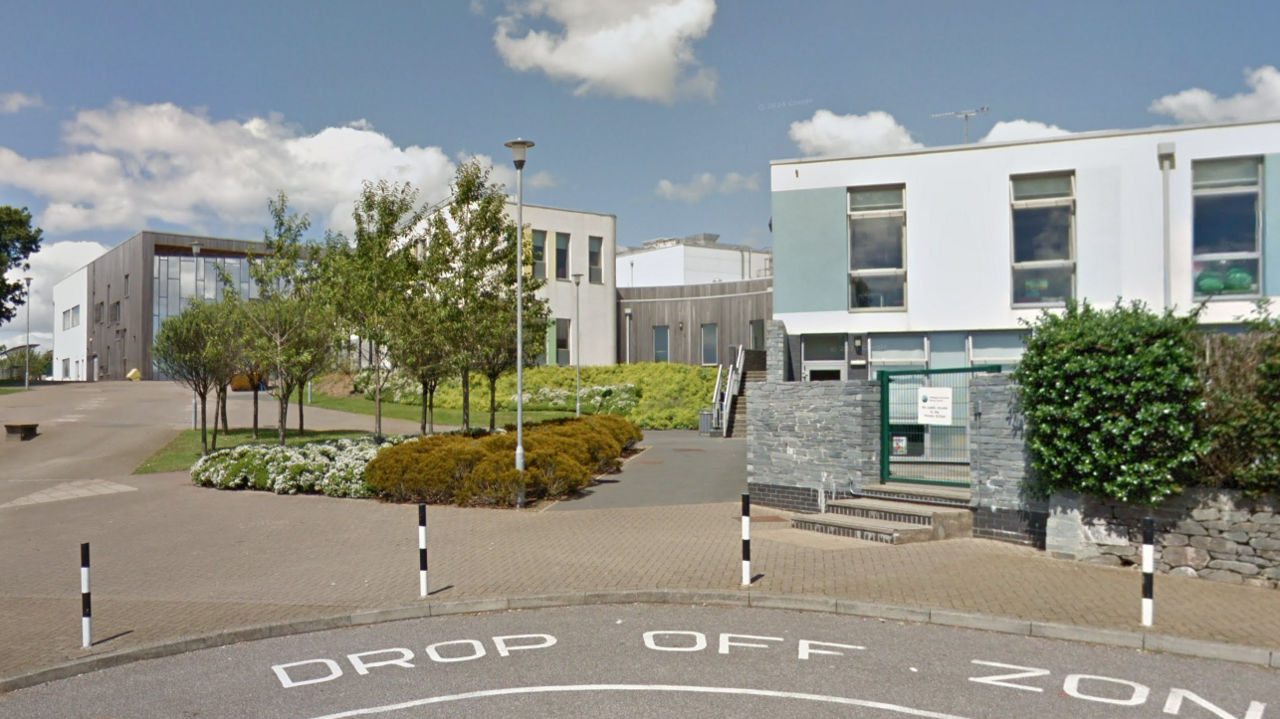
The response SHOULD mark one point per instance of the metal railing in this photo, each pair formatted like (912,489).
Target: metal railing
(724,399)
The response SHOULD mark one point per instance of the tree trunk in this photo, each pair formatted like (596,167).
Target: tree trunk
(431,408)
(302,400)
(218,399)
(466,399)
(283,421)
(377,399)
(423,429)
(204,431)
(493,404)
(222,402)
(256,381)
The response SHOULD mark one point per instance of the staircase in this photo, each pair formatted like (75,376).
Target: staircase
(896,513)
(736,425)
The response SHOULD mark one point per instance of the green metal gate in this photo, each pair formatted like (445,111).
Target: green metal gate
(924,425)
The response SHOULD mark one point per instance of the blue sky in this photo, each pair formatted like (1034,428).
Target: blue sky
(119,117)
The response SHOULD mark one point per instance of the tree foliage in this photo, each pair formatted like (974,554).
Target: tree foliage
(1112,401)
(192,347)
(18,240)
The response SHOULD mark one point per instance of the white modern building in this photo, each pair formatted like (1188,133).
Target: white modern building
(694,260)
(566,243)
(70,337)
(934,257)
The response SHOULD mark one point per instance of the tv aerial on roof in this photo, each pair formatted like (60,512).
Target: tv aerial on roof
(966,114)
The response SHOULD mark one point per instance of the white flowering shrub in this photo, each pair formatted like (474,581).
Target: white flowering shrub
(335,468)
(616,399)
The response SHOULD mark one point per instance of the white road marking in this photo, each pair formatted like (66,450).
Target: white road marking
(71,490)
(640,688)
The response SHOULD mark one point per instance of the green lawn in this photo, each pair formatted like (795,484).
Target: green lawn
(184,450)
(413,413)
(7,390)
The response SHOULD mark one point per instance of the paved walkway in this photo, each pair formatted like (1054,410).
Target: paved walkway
(172,560)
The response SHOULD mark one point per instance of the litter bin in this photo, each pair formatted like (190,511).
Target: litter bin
(704,421)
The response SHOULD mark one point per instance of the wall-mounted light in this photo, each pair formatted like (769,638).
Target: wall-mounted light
(682,325)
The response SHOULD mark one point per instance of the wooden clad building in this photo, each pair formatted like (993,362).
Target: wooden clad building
(692,324)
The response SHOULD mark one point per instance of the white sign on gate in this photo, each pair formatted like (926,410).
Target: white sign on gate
(933,405)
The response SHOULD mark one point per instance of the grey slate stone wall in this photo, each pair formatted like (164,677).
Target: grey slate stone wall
(1000,466)
(778,352)
(815,435)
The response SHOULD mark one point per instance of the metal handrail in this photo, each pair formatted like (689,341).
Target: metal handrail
(715,399)
(732,385)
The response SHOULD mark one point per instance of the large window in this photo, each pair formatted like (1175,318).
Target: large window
(66,319)
(1044,266)
(877,248)
(662,344)
(823,357)
(710,344)
(562,342)
(75,316)
(562,255)
(757,334)
(594,260)
(1226,225)
(97,313)
(540,254)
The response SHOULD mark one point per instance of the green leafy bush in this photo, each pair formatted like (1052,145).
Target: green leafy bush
(335,467)
(1112,400)
(653,395)
(1241,422)
(560,458)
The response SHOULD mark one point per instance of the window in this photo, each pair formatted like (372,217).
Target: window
(877,248)
(1044,267)
(562,255)
(822,357)
(540,254)
(75,316)
(757,334)
(66,319)
(97,313)
(1226,223)
(662,343)
(115,312)
(595,269)
(66,368)
(562,342)
(710,344)
(126,285)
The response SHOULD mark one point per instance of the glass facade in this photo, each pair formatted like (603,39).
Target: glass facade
(178,279)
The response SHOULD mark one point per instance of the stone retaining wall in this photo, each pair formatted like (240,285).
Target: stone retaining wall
(1218,535)
(1000,466)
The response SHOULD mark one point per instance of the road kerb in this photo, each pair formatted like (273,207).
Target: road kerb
(1075,633)
(1004,625)
(1207,650)
(628,596)
(797,602)
(469,606)
(882,611)
(544,601)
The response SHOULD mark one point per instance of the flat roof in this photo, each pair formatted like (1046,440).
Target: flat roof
(1070,137)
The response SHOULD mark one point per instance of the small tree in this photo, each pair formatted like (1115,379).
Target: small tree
(18,240)
(1112,400)
(368,278)
(225,358)
(418,344)
(190,349)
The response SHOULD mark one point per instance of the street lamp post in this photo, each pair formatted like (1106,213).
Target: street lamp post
(577,344)
(519,148)
(26,374)
(195,252)
(628,330)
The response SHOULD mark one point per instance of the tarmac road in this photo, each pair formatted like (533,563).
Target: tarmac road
(660,661)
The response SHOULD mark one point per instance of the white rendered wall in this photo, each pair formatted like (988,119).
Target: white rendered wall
(959,226)
(598,318)
(662,267)
(689,265)
(71,343)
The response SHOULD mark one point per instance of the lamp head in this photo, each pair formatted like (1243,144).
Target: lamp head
(577,278)
(627,311)
(519,148)
(28,281)
(195,248)
(1165,152)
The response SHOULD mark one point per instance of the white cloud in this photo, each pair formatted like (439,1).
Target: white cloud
(827,134)
(53,262)
(1014,130)
(131,164)
(628,48)
(1196,105)
(12,102)
(504,173)
(705,184)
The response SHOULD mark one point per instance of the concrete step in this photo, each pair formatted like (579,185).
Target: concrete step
(754,375)
(919,493)
(875,530)
(945,522)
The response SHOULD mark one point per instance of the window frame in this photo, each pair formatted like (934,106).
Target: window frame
(595,270)
(666,336)
(702,344)
(853,215)
(1257,191)
(539,266)
(562,272)
(1041,202)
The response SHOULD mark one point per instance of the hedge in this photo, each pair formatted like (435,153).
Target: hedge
(335,468)
(653,395)
(561,457)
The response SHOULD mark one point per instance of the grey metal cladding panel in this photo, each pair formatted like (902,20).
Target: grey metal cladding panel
(810,258)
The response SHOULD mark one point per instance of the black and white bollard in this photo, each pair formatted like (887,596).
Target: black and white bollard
(1148,570)
(86,612)
(422,549)
(746,539)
